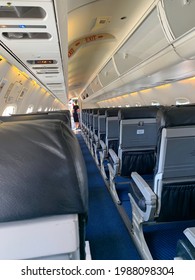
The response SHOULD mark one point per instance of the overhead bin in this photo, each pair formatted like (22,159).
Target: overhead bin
(146,41)
(96,84)
(157,62)
(180,16)
(165,38)
(138,56)
(88,91)
(178,21)
(185,46)
(108,74)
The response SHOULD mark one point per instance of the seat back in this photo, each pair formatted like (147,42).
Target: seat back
(95,121)
(138,138)
(102,124)
(175,172)
(112,129)
(52,237)
(90,119)
(42,175)
(83,118)
(63,115)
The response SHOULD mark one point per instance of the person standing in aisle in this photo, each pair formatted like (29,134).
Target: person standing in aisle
(75,114)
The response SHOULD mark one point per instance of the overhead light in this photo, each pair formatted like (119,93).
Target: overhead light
(27,35)
(22,26)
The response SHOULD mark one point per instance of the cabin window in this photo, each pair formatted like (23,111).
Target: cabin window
(155,103)
(22,12)
(40,109)
(30,109)
(138,104)
(9,110)
(182,101)
(46,109)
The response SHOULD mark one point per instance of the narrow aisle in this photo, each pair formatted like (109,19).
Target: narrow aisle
(106,232)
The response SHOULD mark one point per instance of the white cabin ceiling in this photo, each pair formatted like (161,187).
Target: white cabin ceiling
(88,18)
(89,42)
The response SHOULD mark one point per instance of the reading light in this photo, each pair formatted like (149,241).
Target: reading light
(22,26)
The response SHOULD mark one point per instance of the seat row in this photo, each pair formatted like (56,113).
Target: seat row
(121,141)
(43,187)
(146,154)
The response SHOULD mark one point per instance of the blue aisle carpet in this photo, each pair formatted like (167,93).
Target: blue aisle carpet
(106,232)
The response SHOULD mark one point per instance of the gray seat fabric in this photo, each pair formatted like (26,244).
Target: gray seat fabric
(112,129)
(138,138)
(171,197)
(175,164)
(102,124)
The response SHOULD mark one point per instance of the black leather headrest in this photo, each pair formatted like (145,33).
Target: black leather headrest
(60,115)
(102,111)
(112,112)
(137,112)
(176,116)
(42,171)
(95,111)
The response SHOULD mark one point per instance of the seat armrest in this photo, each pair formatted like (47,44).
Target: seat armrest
(103,152)
(96,142)
(114,156)
(190,234)
(94,147)
(103,145)
(149,198)
(114,162)
(144,188)
(96,138)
